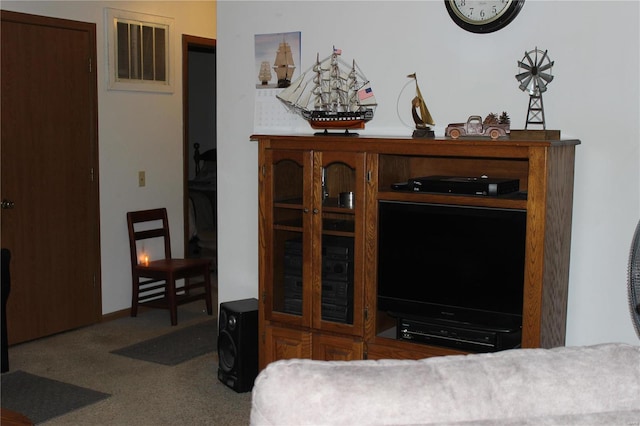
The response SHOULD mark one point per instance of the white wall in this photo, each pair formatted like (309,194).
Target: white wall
(594,97)
(137,131)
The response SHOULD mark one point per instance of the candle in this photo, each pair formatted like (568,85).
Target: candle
(144,260)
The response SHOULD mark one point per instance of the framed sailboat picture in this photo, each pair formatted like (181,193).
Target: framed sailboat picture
(277,59)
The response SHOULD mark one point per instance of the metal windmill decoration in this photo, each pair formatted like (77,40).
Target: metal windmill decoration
(534,78)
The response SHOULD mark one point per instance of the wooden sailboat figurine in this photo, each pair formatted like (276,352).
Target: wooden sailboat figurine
(420,113)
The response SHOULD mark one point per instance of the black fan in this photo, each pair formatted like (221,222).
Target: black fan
(634,280)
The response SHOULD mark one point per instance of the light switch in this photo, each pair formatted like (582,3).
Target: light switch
(141,178)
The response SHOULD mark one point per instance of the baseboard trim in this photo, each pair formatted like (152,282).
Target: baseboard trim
(123,313)
(116,315)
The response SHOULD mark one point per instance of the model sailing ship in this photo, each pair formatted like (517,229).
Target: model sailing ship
(283,64)
(331,95)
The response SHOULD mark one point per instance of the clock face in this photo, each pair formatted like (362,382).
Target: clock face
(483,16)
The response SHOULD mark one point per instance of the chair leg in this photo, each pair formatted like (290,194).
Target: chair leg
(187,286)
(207,290)
(134,296)
(172,299)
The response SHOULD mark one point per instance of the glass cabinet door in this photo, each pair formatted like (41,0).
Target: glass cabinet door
(338,256)
(313,211)
(288,187)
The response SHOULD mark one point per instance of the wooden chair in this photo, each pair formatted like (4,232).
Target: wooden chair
(154,281)
(207,156)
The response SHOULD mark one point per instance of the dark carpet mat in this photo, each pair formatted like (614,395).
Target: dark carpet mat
(41,399)
(175,347)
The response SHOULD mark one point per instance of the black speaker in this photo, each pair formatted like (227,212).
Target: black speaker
(238,344)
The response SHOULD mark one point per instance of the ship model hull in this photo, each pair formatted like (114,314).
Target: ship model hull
(337,120)
(331,95)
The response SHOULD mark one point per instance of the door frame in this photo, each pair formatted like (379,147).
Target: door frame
(203,44)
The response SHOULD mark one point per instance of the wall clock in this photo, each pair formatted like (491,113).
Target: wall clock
(483,16)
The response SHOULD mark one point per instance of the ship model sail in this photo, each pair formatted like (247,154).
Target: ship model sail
(283,64)
(331,95)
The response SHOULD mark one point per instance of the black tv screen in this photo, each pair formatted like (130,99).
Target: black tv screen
(452,263)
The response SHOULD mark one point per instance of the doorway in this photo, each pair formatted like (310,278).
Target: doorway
(50,209)
(199,147)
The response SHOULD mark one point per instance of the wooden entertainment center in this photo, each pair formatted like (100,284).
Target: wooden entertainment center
(318,256)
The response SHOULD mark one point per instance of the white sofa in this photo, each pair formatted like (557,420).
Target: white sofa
(569,385)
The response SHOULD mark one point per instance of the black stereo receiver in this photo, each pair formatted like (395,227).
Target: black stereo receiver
(337,278)
(337,313)
(463,185)
(337,270)
(338,292)
(457,336)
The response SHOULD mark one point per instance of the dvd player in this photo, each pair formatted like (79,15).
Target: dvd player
(462,185)
(458,337)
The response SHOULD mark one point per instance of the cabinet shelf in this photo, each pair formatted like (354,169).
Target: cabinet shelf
(338,233)
(508,202)
(287,227)
(329,205)
(293,203)
(329,226)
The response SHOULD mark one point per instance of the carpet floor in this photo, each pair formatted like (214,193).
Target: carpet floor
(142,393)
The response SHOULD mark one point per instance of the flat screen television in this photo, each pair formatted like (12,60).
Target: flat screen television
(455,264)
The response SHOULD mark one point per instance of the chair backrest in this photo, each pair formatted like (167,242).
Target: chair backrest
(210,155)
(160,231)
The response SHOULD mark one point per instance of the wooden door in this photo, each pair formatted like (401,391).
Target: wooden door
(49,173)
(285,240)
(338,296)
(336,348)
(284,343)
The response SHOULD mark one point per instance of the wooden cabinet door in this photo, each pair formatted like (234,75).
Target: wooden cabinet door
(285,239)
(300,212)
(285,343)
(335,348)
(338,251)
(311,252)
